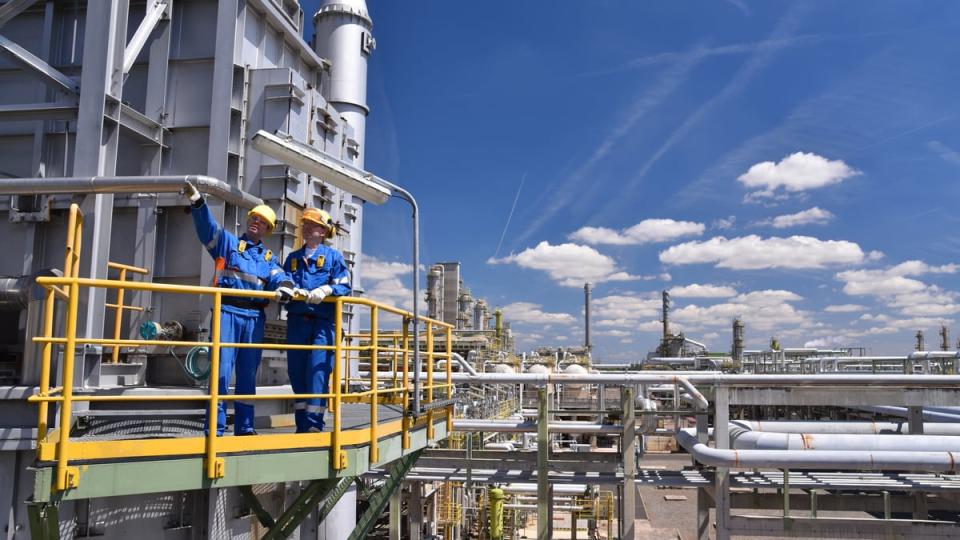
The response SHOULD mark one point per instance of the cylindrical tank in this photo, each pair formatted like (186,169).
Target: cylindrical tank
(737,350)
(435,292)
(344,31)
(496,513)
(480,315)
(574,370)
(538,369)
(498,323)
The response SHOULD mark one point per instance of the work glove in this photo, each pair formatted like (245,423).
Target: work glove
(284,294)
(317,295)
(191,192)
(300,294)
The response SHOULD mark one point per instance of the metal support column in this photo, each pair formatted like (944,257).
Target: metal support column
(703,514)
(263,516)
(415,511)
(544,495)
(721,434)
(628,447)
(915,425)
(378,502)
(98,138)
(396,513)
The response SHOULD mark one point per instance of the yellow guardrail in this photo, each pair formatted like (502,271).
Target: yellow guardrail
(58,447)
(118,307)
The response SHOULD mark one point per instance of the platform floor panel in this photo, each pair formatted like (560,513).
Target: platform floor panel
(105,428)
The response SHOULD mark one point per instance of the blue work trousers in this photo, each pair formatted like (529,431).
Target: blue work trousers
(237,328)
(309,371)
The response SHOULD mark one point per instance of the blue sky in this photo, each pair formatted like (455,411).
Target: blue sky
(793,163)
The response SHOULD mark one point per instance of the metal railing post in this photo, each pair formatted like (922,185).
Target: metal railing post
(450,409)
(44,408)
(339,457)
(374,402)
(429,379)
(118,318)
(215,466)
(405,424)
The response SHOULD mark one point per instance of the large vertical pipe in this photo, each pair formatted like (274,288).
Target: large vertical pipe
(586,316)
(944,338)
(737,351)
(666,316)
(496,513)
(920,345)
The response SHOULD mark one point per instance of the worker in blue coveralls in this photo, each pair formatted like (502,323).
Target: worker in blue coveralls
(241,263)
(319,271)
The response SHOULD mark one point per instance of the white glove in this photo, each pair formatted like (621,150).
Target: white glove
(284,294)
(191,192)
(317,295)
(300,294)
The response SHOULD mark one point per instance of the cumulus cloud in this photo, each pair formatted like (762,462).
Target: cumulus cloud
(570,265)
(813,216)
(899,288)
(765,310)
(753,252)
(696,290)
(724,224)
(844,308)
(382,281)
(527,312)
(795,173)
(647,231)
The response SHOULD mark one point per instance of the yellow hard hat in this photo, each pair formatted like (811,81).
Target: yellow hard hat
(266,213)
(320,217)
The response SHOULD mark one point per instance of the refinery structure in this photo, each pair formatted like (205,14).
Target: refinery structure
(438,427)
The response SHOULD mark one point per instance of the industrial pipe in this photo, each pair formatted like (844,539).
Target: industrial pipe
(846,427)
(699,377)
(15,293)
(858,442)
(817,459)
(509,426)
(464,364)
(127,184)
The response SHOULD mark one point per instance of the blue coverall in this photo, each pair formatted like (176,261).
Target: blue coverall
(240,264)
(313,324)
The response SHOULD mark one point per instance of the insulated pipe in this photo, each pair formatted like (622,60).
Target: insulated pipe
(15,293)
(876,428)
(127,184)
(577,489)
(700,377)
(464,364)
(818,459)
(858,442)
(499,426)
(682,360)
(942,415)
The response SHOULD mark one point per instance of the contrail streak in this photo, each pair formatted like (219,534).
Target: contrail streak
(510,216)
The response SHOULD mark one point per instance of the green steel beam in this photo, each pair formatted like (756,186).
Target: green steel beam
(109,479)
(308,499)
(44,521)
(379,501)
(251,498)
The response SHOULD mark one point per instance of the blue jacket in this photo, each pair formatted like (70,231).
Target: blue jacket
(325,266)
(240,264)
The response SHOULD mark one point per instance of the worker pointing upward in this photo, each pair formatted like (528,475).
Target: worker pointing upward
(321,272)
(241,263)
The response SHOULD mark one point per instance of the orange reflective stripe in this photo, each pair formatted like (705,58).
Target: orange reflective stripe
(218,264)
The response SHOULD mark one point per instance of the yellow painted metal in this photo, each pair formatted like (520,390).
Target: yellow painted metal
(449,366)
(44,408)
(429,379)
(213,470)
(398,345)
(337,387)
(118,306)
(374,385)
(405,438)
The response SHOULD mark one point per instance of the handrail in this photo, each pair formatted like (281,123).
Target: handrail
(118,306)
(374,388)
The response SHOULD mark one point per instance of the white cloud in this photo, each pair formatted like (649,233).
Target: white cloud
(570,265)
(375,269)
(765,310)
(527,312)
(646,232)
(695,290)
(753,252)
(813,216)
(795,173)
(898,287)
(382,281)
(844,308)
(724,223)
